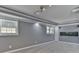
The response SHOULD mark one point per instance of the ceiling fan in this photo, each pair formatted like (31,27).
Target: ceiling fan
(42,8)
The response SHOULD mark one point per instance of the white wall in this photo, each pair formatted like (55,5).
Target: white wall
(57,33)
(29,34)
(69,28)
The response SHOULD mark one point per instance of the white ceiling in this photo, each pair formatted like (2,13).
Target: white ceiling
(56,13)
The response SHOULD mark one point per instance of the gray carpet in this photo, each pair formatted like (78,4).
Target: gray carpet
(53,47)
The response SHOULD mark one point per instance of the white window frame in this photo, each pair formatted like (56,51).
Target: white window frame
(7,30)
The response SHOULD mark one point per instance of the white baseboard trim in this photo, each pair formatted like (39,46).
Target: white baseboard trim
(15,50)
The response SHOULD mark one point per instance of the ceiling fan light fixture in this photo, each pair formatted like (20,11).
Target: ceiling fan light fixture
(42,8)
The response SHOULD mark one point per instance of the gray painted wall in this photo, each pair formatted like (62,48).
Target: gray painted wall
(29,34)
(71,28)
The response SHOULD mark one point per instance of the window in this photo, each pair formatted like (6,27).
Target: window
(8,27)
(49,30)
(68,33)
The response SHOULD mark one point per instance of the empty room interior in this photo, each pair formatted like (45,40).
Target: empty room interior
(39,28)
